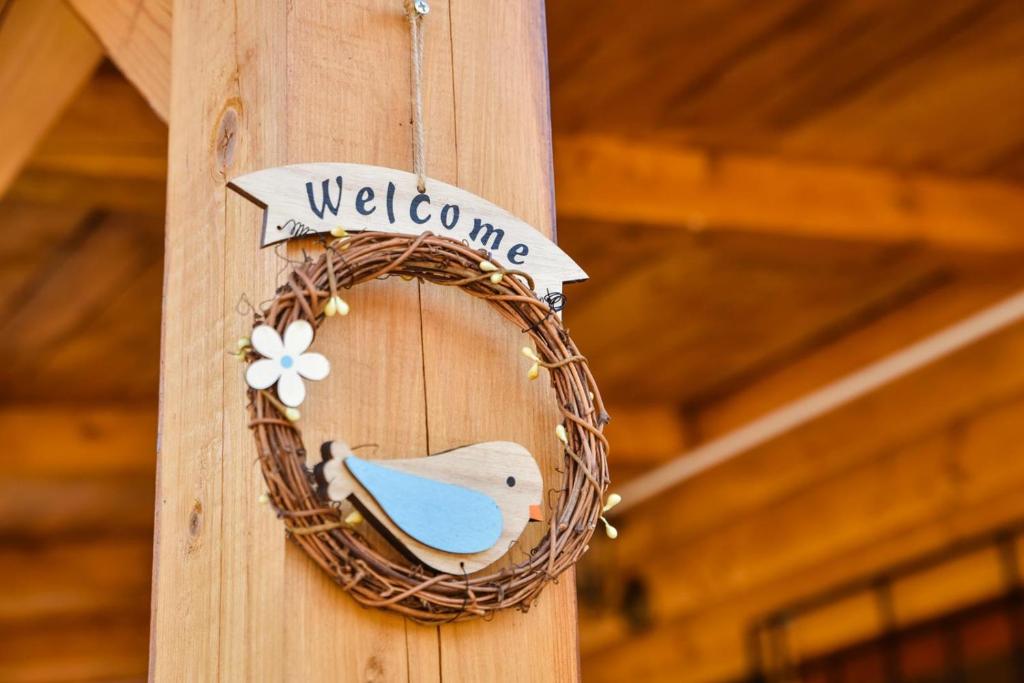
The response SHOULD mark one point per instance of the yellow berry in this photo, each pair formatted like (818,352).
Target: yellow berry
(335,306)
(612,500)
(354,518)
(339,232)
(488,267)
(533,372)
(292,414)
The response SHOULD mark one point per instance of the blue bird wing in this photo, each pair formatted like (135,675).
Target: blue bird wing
(450,518)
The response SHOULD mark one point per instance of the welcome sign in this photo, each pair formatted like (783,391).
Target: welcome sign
(305,199)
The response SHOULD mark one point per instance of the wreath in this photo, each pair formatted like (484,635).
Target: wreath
(311,293)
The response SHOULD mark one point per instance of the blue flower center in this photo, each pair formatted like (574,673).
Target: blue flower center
(287,362)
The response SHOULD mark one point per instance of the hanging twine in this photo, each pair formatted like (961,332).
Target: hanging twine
(416,11)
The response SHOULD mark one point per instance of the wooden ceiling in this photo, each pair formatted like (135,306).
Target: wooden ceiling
(659,301)
(80,295)
(79,323)
(696,320)
(790,176)
(904,84)
(786,78)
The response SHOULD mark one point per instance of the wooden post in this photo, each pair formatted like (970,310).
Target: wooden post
(46,55)
(416,370)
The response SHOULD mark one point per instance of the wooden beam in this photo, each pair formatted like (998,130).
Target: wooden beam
(60,578)
(832,397)
(613,179)
(137,37)
(76,501)
(958,480)
(46,55)
(70,440)
(133,195)
(796,293)
(96,647)
(948,584)
(956,298)
(112,263)
(107,152)
(647,435)
(710,644)
(827,447)
(716,497)
(739,493)
(232,599)
(724,499)
(108,131)
(636,181)
(34,509)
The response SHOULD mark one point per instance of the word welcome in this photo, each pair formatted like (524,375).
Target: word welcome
(329,198)
(306,199)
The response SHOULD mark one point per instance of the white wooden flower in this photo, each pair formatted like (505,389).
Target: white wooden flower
(286,361)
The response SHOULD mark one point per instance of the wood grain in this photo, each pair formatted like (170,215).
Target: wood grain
(759,301)
(75,540)
(488,112)
(223,568)
(920,496)
(107,131)
(647,434)
(654,182)
(790,120)
(905,84)
(94,647)
(854,83)
(112,264)
(136,35)
(47,55)
(829,447)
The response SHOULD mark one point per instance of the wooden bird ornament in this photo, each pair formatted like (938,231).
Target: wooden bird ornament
(456,511)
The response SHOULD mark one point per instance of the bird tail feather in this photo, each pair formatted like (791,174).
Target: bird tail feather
(330,485)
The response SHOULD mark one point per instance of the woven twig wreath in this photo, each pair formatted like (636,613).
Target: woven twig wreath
(411,589)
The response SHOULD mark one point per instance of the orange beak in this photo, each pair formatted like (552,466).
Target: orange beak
(536,514)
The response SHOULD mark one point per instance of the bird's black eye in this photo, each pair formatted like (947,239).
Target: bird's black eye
(511,481)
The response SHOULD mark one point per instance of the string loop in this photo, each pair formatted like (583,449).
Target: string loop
(416,10)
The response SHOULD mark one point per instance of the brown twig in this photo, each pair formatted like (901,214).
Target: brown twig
(418,592)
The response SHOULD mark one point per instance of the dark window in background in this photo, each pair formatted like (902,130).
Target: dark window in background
(981,642)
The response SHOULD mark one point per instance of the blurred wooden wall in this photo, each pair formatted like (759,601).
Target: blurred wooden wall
(82,235)
(766,197)
(790,191)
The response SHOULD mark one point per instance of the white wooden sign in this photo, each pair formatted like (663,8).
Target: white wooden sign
(304,199)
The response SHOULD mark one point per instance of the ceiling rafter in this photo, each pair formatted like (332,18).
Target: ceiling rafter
(46,56)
